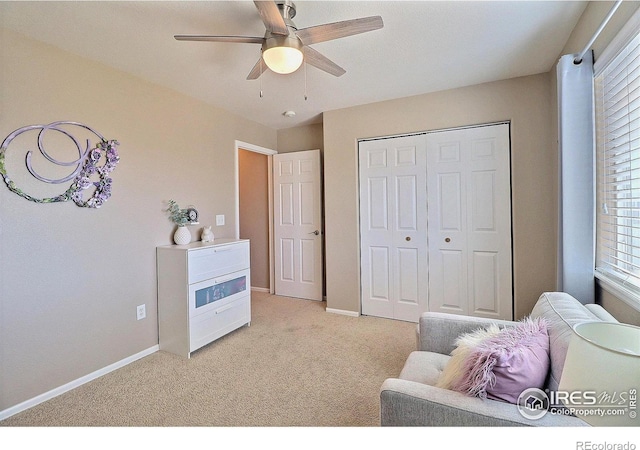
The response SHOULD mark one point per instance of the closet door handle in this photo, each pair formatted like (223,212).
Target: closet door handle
(315,232)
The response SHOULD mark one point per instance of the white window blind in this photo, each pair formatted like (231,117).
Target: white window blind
(617,102)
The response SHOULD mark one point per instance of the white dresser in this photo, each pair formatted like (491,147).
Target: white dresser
(204,292)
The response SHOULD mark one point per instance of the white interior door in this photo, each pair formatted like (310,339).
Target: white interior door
(298,224)
(469,185)
(393,227)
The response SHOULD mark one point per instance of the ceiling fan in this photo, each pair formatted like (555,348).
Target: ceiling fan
(285,47)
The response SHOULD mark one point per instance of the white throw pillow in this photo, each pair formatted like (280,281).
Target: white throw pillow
(465,344)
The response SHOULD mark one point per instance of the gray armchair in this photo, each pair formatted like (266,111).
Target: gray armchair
(413,400)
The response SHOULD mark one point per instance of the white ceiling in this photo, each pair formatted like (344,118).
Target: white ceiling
(425,46)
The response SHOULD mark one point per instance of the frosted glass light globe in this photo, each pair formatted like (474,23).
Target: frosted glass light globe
(282,60)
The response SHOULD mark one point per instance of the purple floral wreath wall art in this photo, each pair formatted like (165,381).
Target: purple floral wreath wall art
(90,179)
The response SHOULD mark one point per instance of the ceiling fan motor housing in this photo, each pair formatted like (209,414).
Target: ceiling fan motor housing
(287,9)
(278,40)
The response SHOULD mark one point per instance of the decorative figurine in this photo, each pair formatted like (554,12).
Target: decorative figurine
(207,234)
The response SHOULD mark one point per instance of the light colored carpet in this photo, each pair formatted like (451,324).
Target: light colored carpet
(296,365)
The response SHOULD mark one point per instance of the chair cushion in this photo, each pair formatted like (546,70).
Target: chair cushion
(602,313)
(424,367)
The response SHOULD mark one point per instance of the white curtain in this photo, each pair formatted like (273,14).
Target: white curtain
(576,145)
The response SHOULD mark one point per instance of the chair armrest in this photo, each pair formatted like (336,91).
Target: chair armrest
(407,403)
(438,331)
(600,312)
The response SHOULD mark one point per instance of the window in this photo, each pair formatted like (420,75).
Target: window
(617,104)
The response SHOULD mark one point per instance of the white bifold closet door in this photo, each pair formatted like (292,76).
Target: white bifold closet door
(469,184)
(435,214)
(393,221)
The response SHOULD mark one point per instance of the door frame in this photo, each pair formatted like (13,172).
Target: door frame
(240,145)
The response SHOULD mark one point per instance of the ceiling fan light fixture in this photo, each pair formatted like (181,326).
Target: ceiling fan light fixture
(283,54)
(285,46)
(283,59)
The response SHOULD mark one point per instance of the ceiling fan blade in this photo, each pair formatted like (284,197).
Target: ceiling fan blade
(320,61)
(240,39)
(258,69)
(271,17)
(336,30)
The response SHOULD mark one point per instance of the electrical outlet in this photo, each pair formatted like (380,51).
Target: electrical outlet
(220,219)
(141,312)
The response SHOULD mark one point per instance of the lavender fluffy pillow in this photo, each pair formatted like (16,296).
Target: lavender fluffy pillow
(465,344)
(503,366)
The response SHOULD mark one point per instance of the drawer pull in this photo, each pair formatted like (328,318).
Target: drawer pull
(227,278)
(226,308)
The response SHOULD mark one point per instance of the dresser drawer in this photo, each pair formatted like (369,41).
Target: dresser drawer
(211,262)
(215,323)
(214,293)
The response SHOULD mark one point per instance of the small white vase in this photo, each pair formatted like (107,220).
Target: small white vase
(182,236)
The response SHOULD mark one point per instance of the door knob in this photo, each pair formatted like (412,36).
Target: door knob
(315,232)
(408,238)
(447,239)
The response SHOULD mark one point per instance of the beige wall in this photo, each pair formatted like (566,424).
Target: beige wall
(253,169)
(523,101)
(618,308)
(70,277)
(306,137)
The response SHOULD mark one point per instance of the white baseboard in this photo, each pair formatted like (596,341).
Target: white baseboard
(75,383)
(343,312)
(259,289)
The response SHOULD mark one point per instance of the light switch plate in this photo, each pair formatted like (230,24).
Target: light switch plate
(220,219)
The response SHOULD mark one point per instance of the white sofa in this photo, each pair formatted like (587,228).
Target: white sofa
(413,400)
